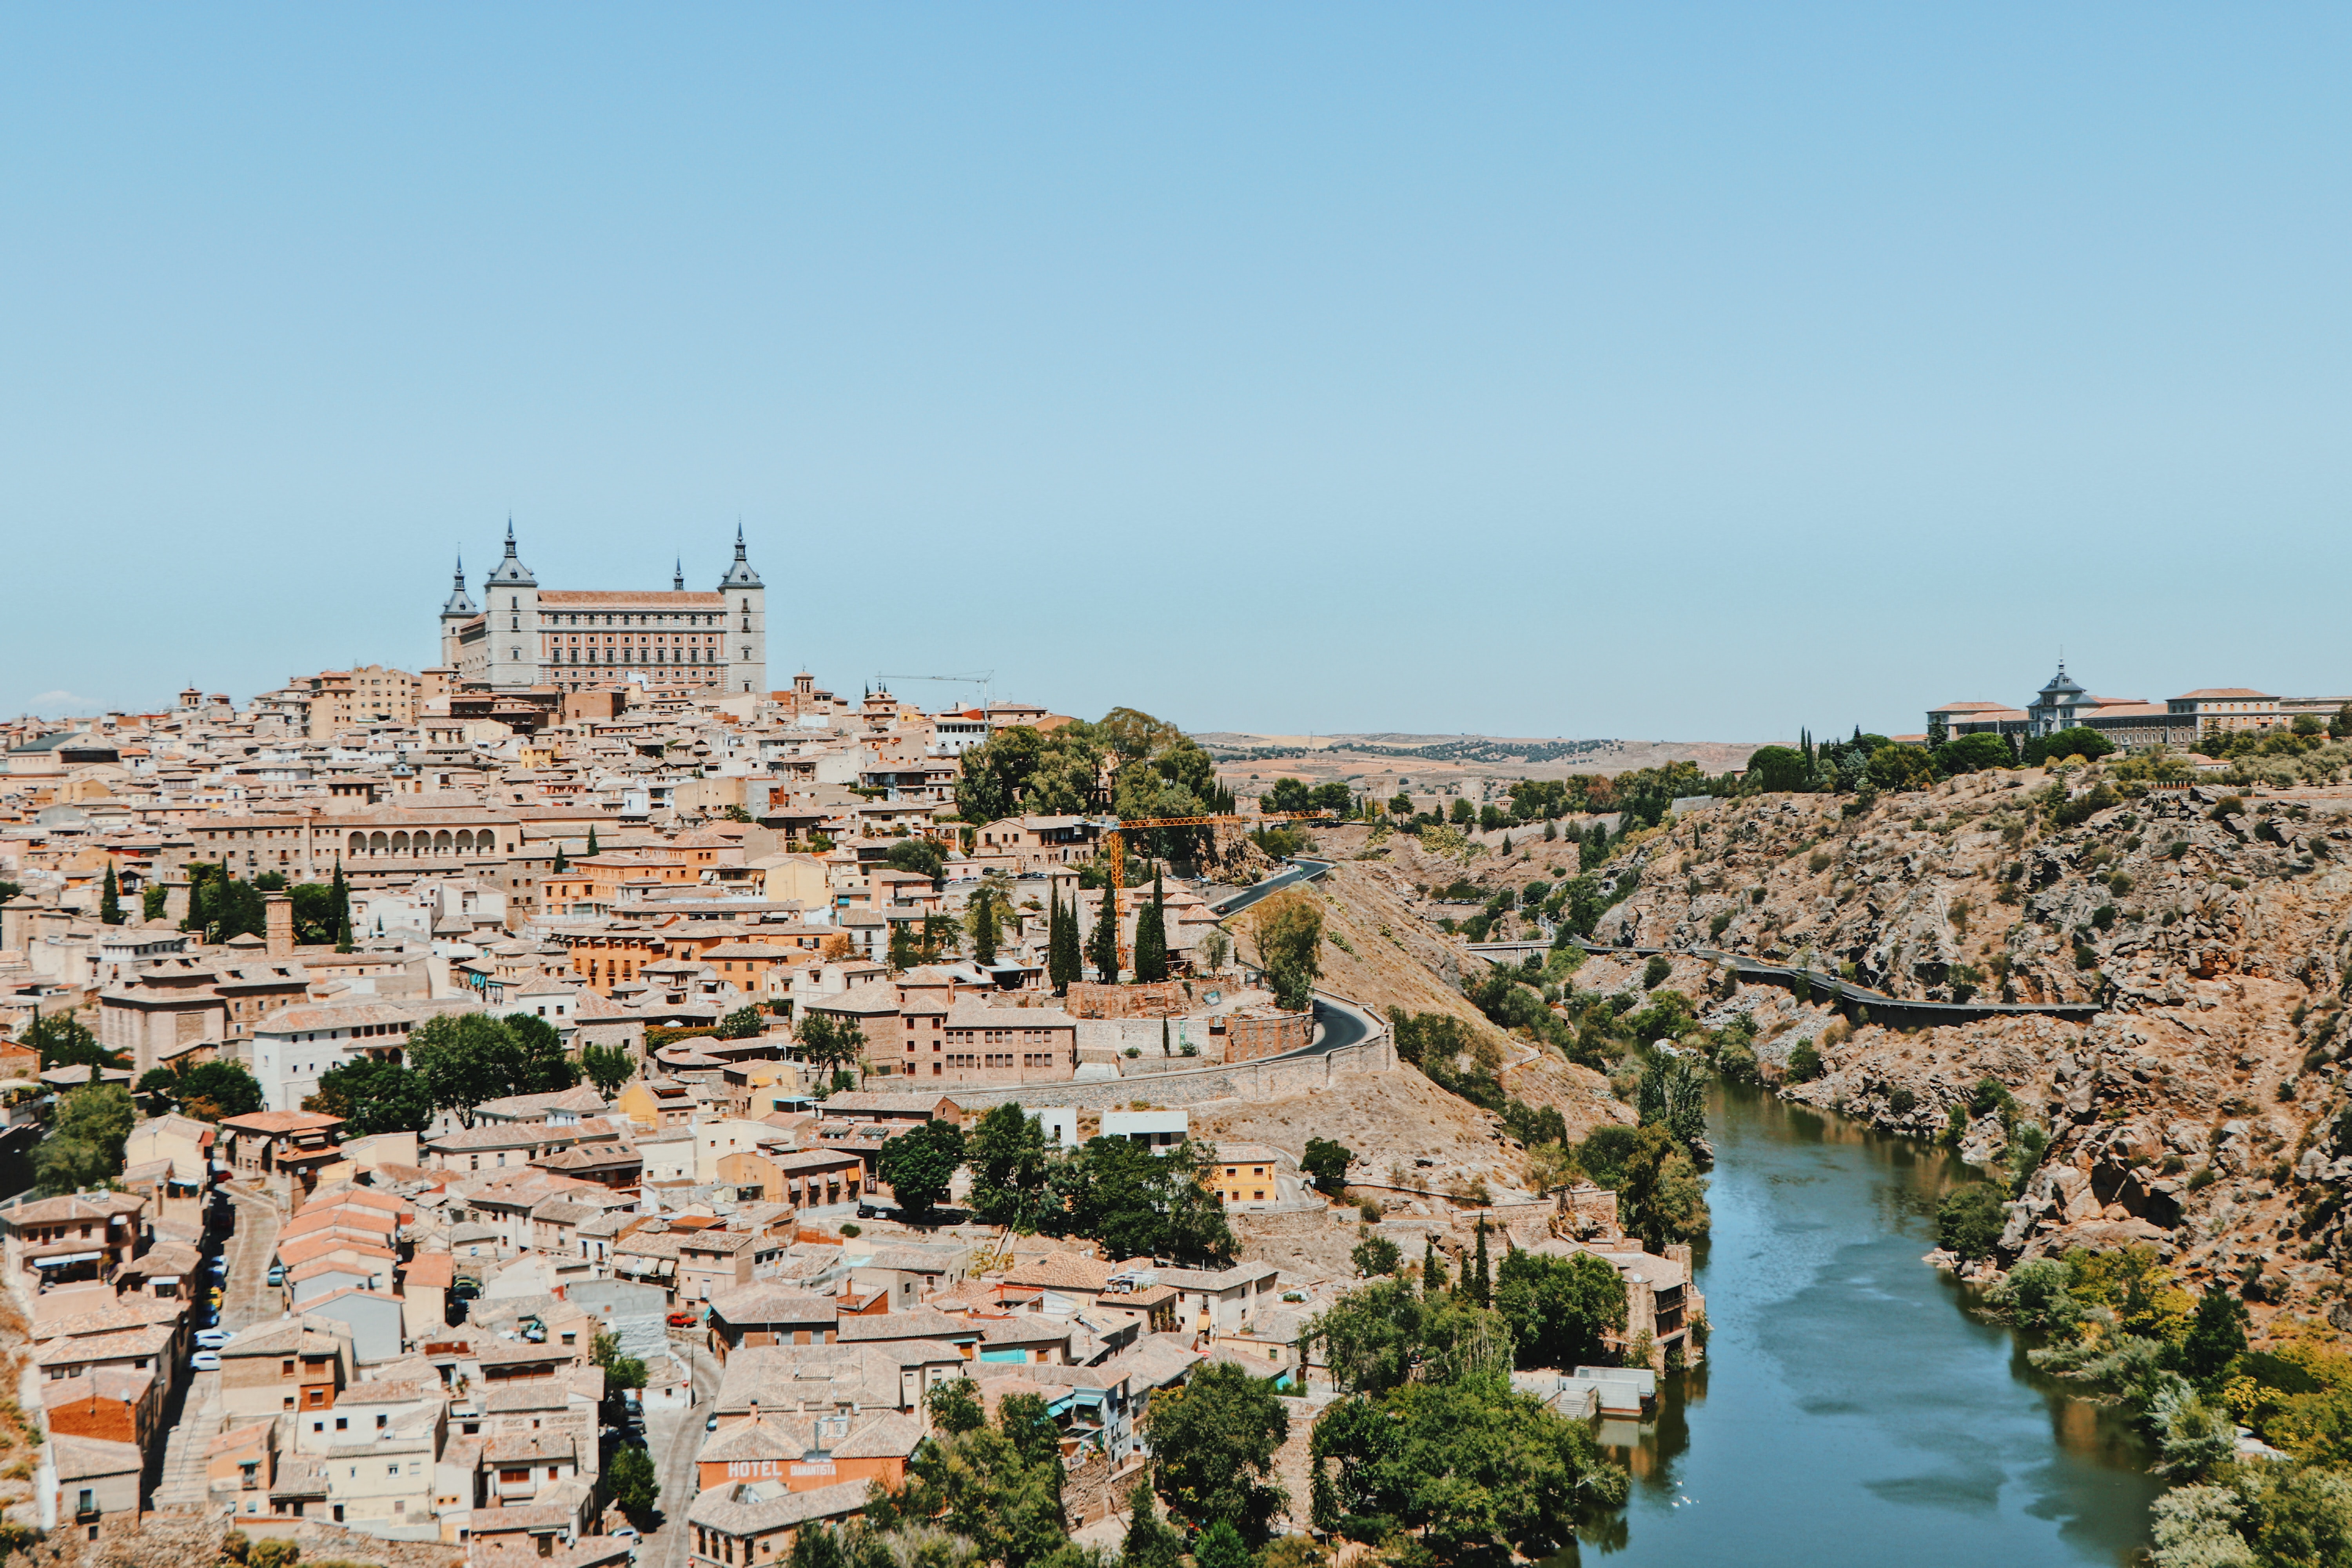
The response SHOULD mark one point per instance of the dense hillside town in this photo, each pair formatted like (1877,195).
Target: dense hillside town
(627,1118)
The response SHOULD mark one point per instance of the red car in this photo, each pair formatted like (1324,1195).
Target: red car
(681,1320)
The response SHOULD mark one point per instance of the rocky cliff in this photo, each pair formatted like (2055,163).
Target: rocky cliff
(2201,1107)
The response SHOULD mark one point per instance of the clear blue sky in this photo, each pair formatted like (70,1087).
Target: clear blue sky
(1677,373)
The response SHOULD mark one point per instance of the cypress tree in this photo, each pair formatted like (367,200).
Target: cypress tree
(1061,946)
(109,900)
(1163,1037)
(562,865)
(1481,1282)
(1151,935)
(1103,951)
(591,838)
(1432,1271)
(983,931)
(338,907)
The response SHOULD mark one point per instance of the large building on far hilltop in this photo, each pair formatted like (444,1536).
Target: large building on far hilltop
(2129,721)
(523,636)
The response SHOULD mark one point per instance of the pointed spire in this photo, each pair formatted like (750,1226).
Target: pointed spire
(460,603)
(677,576)
(511,544)
(739,539)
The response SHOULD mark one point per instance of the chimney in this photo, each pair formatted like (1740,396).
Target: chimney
(278,923)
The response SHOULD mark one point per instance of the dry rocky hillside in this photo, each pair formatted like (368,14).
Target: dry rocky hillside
(2201,1109)
(1380,950)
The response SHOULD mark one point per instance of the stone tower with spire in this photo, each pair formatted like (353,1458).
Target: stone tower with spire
(747,624)
(510,623)
(453,616)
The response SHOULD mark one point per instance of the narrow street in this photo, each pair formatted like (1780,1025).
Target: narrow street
(247,1299)
(676,1438)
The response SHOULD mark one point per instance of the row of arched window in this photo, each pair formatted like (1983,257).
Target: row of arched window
(465,841)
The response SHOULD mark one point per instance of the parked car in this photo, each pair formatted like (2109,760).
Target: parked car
(217,1266)
(681,1318)
(213,1339)
(709,1425)
(277,1274)
(205,1361)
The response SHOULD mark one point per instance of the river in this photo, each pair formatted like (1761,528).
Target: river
(1850,1411)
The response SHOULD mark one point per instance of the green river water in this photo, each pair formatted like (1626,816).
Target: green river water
(1851,1412)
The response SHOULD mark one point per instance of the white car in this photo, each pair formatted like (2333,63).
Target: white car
(213,1339)
(205,1361)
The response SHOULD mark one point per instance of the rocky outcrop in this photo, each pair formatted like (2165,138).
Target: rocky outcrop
(2202,1110)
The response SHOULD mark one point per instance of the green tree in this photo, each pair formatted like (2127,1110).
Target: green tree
(999,1488)
(592,841)
(109,899)
(1673,1095)
(746,1022)
(541,1067)
(1559,1309)
(1975,753)
(1102,947)
(924,856)
(607,1066)
(1894,767)
(620,1370)
(1484,1476)
(1776,769)
(1383,1336)
(1374,1256)
(373,1097)
(1327,1160)
(1149,1544)
(2216,1337)
(1288,929)
(827,1040)
(341,900)
(1139,1205)
(1151,935)
(1008,1158)
(630,1477)
(988,916)
(1661,1197)
(918,1166)
(64,1041)
(466,1058)
(1220,1546)
(1062,964)
(210,1090)
(84,1144)
(153,899)
(1213,1442)
(1969,1220)
(1482,1280)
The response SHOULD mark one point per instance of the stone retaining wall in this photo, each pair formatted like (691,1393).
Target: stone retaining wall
(1158,999)
(1263,1079)
(1249,1039)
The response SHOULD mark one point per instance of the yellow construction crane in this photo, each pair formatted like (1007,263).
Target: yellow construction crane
(1114,844)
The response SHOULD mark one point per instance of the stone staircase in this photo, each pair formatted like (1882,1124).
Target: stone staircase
(182,1483)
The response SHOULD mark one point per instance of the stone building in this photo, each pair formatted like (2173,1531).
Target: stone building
(523,636)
